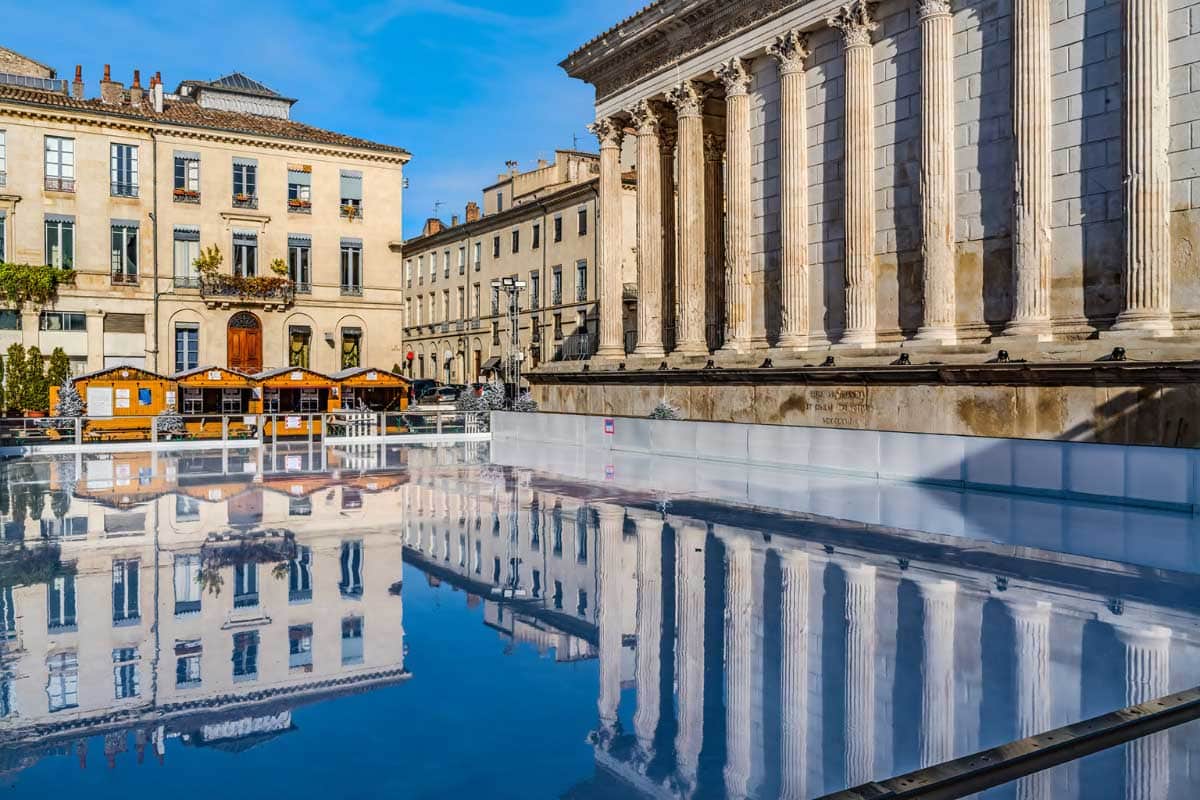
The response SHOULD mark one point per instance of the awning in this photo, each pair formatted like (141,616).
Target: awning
(491,364)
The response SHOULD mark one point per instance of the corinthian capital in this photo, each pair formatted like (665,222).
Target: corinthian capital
(714,147)
(933,8)
(735,76)
(856,21)
(790,50)
(608,131)
(647,117)
(688,98)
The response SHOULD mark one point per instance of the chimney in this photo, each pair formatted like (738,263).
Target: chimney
(156,93)
(472,212)
(77,84)
(454,220)
(543,163)
(135,89)
(432,225)
(111,92)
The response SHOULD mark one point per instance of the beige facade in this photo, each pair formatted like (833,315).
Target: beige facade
(539,227)
(142,180)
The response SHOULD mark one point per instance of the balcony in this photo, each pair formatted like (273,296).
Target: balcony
(124,279)
(3,178)
(187,196)
(118,189)
(245,201)
(224,290)
(581,294)
(302,287)
(299,206)
(444,327)
(576,347)
(476,324)
(351,291)
(556,297)
(187,282)
(60,184)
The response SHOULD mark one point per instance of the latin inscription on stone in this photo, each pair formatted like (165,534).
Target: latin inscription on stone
(840,408)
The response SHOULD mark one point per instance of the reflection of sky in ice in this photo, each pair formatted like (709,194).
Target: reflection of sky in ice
(773,634)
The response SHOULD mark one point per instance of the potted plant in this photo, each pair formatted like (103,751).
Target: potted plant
(279,267)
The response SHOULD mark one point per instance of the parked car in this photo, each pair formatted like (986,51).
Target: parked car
(418,387)
(439,395)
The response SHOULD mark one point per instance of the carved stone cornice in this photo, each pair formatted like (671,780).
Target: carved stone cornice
(791,50)
(617,59)
(688,99)
(856,21)
(933,8)
(735,76)
(608,132)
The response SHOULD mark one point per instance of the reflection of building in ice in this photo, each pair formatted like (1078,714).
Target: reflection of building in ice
(178,607)
(838,663)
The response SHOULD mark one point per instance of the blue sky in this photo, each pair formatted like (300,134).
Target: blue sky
(465,85)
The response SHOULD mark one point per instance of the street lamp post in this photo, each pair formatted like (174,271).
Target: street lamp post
(512,364)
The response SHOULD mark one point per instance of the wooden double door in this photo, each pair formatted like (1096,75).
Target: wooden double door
(245,343)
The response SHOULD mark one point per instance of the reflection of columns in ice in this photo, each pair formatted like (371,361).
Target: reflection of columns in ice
(689,673)
(608,613)
(793,672)
(738,621)
(860,673)
(937,672)
(1031,638)
(649,629)
(1147,665)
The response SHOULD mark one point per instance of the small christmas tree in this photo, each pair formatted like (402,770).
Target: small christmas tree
(525,403)
(169,422)
(665,410)
(69,404)
(59,368)
(36,396)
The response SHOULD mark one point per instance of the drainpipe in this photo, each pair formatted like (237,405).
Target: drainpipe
(154,237)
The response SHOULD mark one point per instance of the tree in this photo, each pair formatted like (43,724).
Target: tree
(59,368)
(169,422)
(209,261)
(665,410)
(14,378)
(70,404)
(3,405)
(36,396)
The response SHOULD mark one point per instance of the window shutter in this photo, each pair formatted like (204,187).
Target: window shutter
(351,185)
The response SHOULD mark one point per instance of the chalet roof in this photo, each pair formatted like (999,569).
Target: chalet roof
(148,375)
(341,375)
(187,373)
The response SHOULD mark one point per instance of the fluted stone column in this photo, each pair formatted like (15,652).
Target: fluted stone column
(714,245)
(646,118)
(860,673)
(1033,191)
(688,99)
(608,268)
(738,666)
(736,78)
(608,613)
(937,170)
(856,21)
(791,50)
(937,671)
(647,668)
(1147,677)
(690,545)
(1146,138)
(667,138)
(1031,634)
(793,673)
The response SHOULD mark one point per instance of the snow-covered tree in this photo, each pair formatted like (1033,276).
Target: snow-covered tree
(69,404)
(169,422)
(665,410)
(525,403)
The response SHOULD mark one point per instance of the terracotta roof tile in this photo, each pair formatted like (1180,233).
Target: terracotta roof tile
(188,114)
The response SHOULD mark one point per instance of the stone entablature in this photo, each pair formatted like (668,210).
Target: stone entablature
(935,172)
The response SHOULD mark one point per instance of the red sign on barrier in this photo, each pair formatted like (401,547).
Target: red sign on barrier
(610,426)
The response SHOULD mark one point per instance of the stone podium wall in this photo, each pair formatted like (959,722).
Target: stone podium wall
(1161,411)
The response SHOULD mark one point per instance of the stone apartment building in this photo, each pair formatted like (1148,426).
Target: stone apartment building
(538,226)
(129,186)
